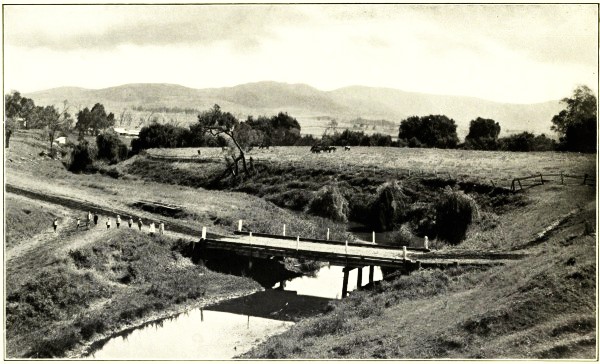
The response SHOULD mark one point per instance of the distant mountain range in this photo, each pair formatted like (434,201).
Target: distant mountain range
(312,107)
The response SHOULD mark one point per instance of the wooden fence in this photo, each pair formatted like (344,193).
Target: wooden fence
(586,179)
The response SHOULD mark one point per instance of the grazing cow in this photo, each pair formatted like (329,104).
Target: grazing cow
(264,146)
(347,147)
(316,149)
(199,153)
(331,149)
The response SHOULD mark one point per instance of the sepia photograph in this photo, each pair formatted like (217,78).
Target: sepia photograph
(230,181)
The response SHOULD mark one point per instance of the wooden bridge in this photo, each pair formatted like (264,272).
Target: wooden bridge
(341,253)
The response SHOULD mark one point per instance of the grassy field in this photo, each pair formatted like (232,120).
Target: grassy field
(501,167)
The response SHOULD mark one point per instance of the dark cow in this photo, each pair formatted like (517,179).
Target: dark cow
(347,147)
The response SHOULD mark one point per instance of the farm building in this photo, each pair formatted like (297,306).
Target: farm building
(60,140)
(127,132)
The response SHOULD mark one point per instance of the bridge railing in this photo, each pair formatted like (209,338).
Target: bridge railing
(324,241)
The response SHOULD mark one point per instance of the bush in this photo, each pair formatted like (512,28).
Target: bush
(82,157)
(455,211)
(389,206)
(111,148)
(329,203)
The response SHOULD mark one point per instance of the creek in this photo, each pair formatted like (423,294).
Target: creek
(230,328)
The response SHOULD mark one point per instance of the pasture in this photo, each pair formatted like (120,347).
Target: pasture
(482,166)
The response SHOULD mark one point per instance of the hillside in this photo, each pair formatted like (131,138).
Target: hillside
(309,105)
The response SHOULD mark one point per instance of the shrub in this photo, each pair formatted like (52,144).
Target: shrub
(111,148)
(330,203)
(455,211)
(389,206)
(82,157)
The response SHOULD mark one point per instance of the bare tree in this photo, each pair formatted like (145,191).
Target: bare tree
(216,122)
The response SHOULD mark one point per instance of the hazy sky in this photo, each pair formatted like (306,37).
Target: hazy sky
(511,53)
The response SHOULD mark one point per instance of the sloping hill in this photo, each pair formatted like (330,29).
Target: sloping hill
(307,103)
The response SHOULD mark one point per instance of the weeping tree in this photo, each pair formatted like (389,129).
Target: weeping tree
(242,136)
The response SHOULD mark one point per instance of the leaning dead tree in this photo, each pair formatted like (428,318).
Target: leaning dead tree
(217,122)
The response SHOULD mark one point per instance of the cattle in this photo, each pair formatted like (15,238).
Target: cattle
(321,148)
(347,148)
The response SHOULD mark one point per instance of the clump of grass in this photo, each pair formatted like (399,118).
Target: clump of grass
(455,211)
(389,206)
(404,237)
(329,203)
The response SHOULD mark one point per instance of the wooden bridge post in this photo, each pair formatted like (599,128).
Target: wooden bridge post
(283,229)
(345,282)
(426,242)
(404,255)
(204,232)
(541,179)
(359,278)
(562,178)
(327,233)
(297,242)
(373,237)
(250,238)
(240,225)
(371,273)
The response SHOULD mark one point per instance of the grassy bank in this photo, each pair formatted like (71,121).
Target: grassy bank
(106,285)
(540,307)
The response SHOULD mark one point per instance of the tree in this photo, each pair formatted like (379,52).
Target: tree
(18,109)
(94,120)
(433,131)
(217,122)
(483,134)
(576,124)
(53,120)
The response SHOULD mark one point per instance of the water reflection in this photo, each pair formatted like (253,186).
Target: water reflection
(199,334)
(233,327)
(328,282)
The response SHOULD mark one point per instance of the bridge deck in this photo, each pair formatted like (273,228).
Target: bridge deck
(340,254)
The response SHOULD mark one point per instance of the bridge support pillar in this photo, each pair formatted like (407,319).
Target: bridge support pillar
(345,282)
(371,273)
(359,278)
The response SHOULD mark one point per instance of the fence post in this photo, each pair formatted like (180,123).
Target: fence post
(297,242)
(250,237)
(562,178)
(240,225)
(512,186)
(373,237)
(541,178)
(426,242)
(283,229)
(346,247)
(404,255)
(327,233)
(204,232)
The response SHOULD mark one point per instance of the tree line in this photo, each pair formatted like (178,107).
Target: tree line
(575,124)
